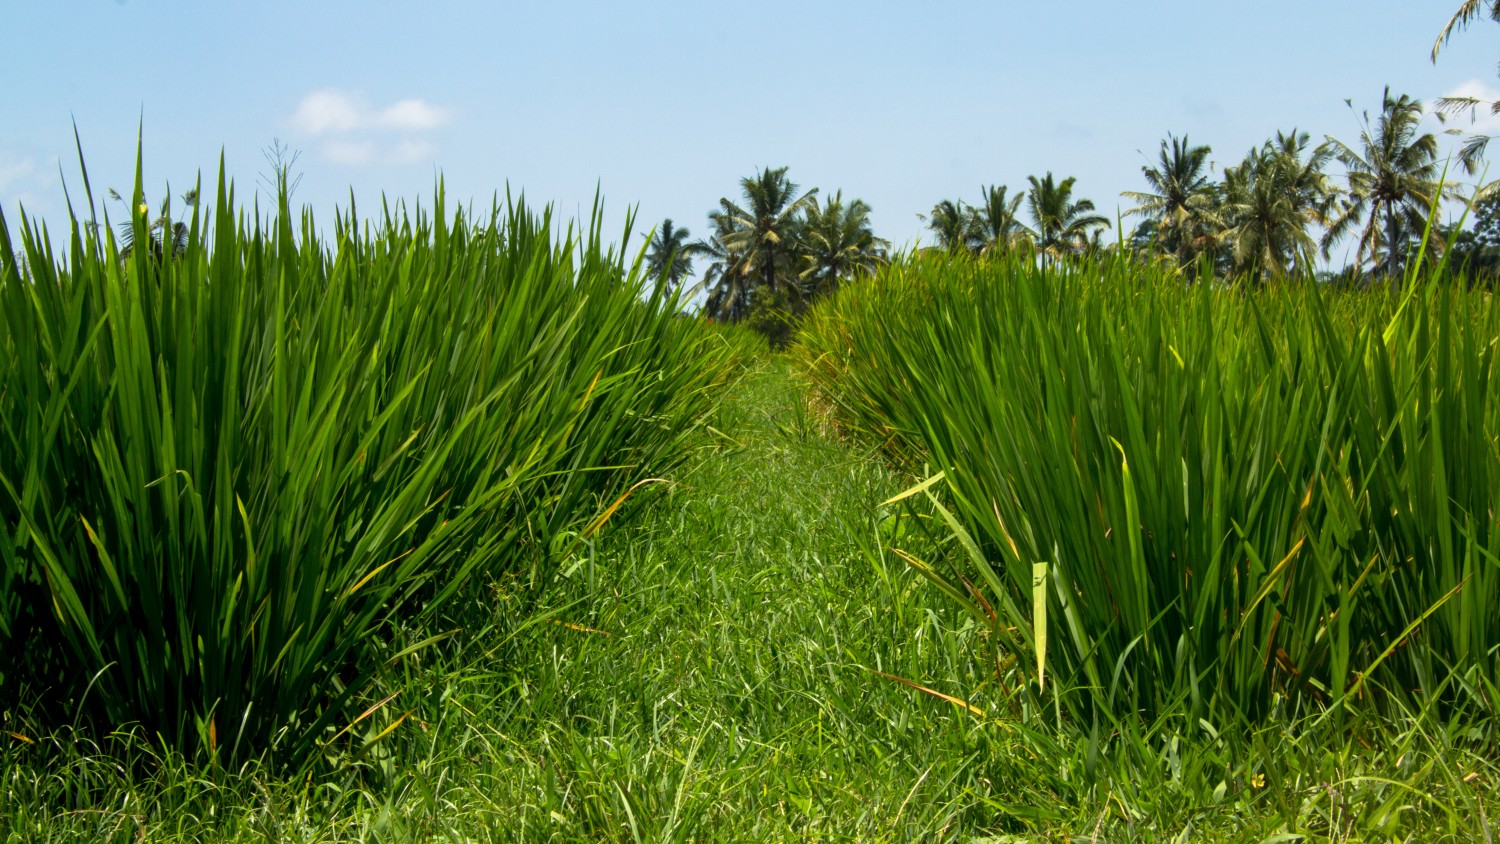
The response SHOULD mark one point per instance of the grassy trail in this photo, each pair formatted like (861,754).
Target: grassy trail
(730,694)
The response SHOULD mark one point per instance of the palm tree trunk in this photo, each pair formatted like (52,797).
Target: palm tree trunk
(1390,247)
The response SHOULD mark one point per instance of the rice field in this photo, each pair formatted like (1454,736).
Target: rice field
(240,467)
(448,525)
(1194,502)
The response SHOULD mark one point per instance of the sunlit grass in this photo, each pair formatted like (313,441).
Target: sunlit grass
(739,660)
(230,470)
(450,528)
(1244,501)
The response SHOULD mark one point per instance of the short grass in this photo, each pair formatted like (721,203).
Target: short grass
(711,670)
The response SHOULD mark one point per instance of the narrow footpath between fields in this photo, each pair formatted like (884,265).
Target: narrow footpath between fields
(730,692)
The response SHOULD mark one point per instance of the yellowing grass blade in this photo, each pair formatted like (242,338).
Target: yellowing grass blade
(388,730)
(958,702)
(1039,619)
(603,518)
(916,490)
(367,713)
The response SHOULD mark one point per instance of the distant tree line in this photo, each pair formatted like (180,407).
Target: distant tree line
(772,253)
(1273,214)
(1269,215)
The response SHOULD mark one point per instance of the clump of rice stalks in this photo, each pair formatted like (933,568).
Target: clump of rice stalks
(1195,501)
(228,467)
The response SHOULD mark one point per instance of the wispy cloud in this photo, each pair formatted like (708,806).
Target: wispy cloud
(355,133)
(13,170)
(411,150)
(350,152)
(322,112)
(26,183)
(412,114)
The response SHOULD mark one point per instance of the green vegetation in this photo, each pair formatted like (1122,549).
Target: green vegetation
(458,527)
(1393,182)
(234,471)
(738,660)
(774,253)
(667,256)
(1476,251)
(1180,509)
(1181,200)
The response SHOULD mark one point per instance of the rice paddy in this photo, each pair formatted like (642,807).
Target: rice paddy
(450,528)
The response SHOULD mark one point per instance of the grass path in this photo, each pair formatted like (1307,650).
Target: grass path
(730,694)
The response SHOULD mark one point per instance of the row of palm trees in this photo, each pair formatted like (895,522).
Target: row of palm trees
(1269,215)
(778,239)
(1062,225)
(1259,220)
(1262,217)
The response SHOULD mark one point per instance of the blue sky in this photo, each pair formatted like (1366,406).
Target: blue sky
(667,105)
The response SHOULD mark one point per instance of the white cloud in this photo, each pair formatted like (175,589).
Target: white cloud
(413,150)
(331,111)
(355,133)
(328,111)
(24,183)
(13,170)
(412,114)
(350,152)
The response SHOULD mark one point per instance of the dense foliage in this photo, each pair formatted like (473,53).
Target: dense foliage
(1237,503)
(772,254)
(230,468)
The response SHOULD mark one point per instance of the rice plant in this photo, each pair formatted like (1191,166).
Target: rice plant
(227,469)
(1194,501)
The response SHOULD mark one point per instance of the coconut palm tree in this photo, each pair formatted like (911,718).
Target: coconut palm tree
(838,242)
(727,277)
(999,228)
(1269,202)
(1062,224)
(956,225)
(1265,224)
(668,257)
(1393,180)
(763,231)
(1181,198)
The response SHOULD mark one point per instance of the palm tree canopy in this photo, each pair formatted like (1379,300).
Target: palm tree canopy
(1475,144)
(838,242)
(763,229)
(1180,176)
(1181,200)
(1270,201)
(726,278)
(668,256)
(956,225)
(999,228)
(1393,180)
(1062,223)
(1467,12)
